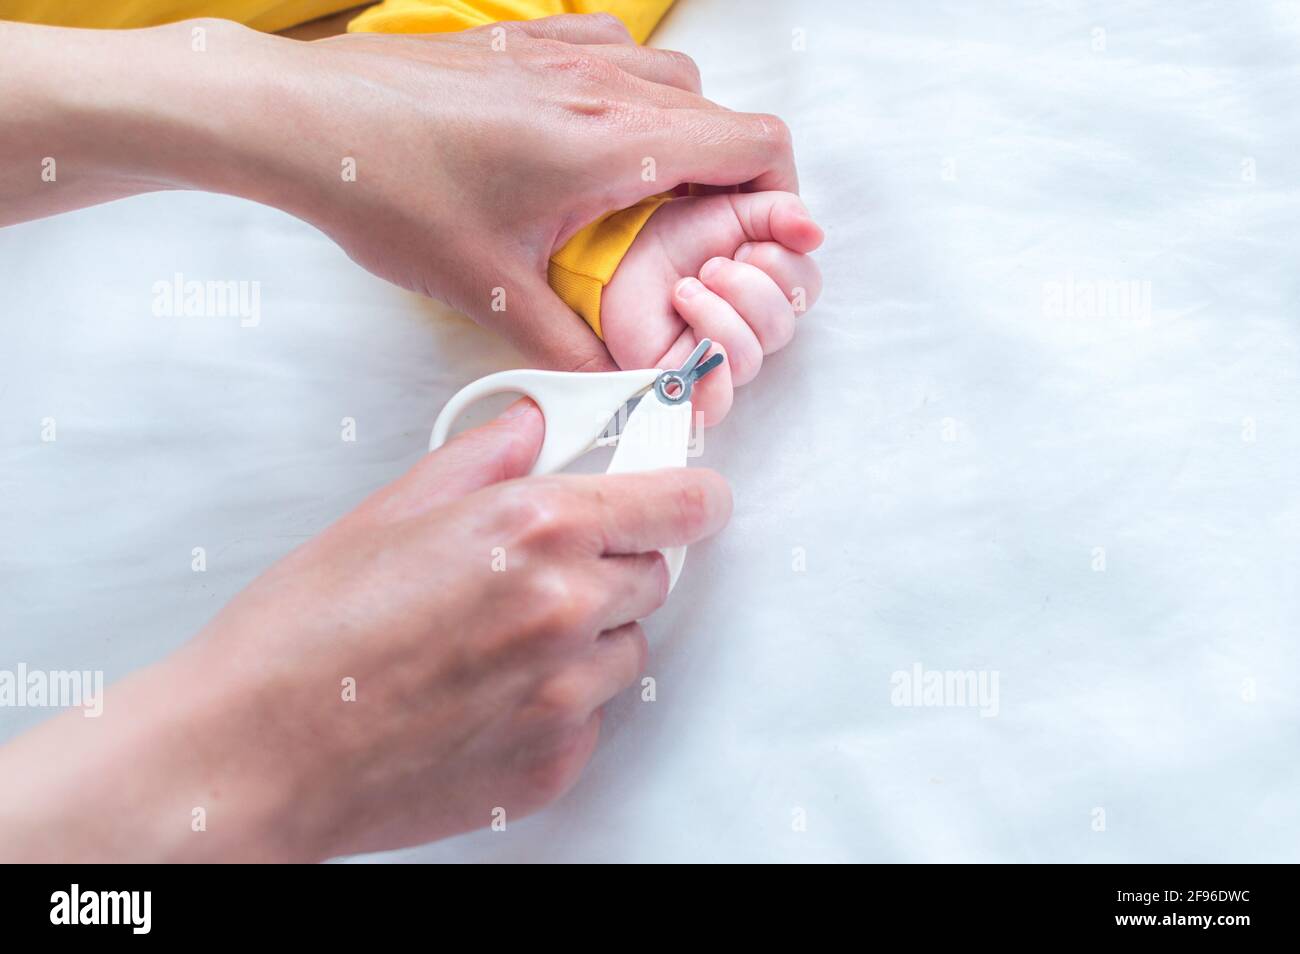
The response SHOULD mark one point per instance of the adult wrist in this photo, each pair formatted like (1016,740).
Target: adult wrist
(92,115)
(202,112)
(225,751)
(165,771)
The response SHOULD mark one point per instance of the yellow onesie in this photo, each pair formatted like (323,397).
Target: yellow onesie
(581,269)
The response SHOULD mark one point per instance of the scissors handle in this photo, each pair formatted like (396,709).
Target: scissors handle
(576,407)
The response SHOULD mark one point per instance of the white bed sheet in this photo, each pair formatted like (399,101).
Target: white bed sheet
(947,450)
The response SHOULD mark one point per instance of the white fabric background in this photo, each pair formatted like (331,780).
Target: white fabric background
(1124,690)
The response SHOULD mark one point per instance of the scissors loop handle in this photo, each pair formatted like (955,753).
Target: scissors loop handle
(576,407)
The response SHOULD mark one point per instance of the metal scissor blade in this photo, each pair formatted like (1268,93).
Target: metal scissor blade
(610,435)
(682,380)
(700,351)
(702,369)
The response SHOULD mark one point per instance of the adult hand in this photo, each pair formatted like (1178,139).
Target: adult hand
(439,655)
(453,165)
(480,153)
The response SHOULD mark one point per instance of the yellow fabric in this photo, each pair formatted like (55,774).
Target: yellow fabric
(266,15)
(390,16)
(581,269)
(449,16)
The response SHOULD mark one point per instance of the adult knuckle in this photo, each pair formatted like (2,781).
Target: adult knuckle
(562,605)
(586,67)
(683,64)
(562,699)
(531,512)
(551,590)
(604,110)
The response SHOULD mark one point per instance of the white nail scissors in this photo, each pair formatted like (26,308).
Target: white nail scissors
(579,408)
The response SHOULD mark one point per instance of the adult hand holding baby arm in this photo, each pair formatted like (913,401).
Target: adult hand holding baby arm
(439,655)
(453,165)
(557,122)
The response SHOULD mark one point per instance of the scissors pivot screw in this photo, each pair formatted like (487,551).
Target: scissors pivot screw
(674,387)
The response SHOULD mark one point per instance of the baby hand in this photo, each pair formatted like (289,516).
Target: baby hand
(732,267)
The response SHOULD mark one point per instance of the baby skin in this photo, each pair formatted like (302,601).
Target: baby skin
(730,267)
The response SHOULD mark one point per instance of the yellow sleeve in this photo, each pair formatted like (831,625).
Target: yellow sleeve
(447,16)
(265,15)
(580,270)
(390,16)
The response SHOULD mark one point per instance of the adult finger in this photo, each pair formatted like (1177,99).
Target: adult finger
(632,586)
(638,513)
(614,663)
(718,147)
(546,330)
(666,67)
(502,449)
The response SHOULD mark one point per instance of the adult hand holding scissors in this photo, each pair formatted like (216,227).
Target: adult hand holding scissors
(438,655)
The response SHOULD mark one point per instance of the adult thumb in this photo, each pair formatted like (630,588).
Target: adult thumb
(552,335)
(501,449)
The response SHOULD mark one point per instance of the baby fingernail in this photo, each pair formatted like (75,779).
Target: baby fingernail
(743,253)
(688,287)
(711,266)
